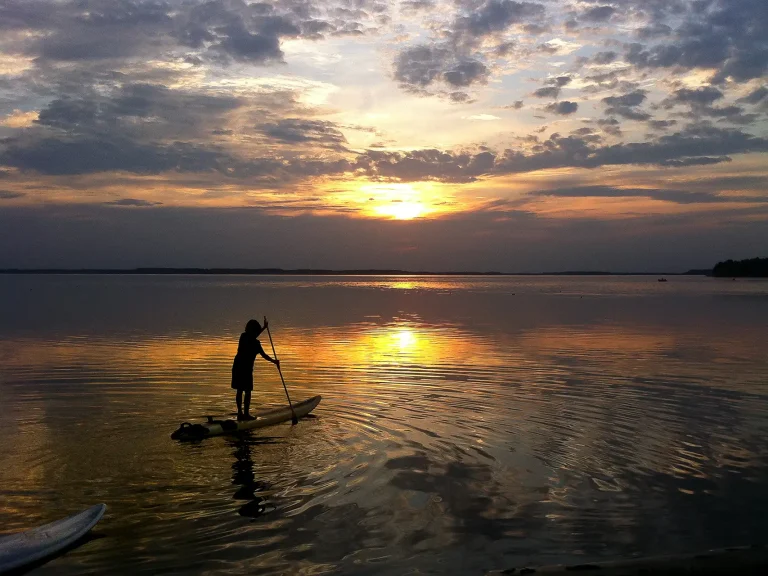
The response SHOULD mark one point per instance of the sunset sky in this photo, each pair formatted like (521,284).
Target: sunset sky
(414,134)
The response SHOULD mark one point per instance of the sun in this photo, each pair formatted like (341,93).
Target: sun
(402,210)
(396,200)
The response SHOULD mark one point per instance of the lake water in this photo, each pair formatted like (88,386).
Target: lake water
(467,423)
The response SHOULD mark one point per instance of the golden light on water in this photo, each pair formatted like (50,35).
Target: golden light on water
(405,338)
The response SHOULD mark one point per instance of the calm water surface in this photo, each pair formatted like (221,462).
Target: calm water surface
(467,424)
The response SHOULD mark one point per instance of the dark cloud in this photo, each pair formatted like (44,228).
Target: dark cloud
(547,92)
(298,130)
(699,161)
(730,36)
(692,146)
(92,154)
(552,87)
(674,196)
(626,105)
(133,202)
(505,48)
(496,16)
(89,30)
(420,66)
(609,81)
(516,105)
(654,30)
(426,165)
(700,102)
(757,95)
(563,108)
(661,124)
(689,145)
(604,57)
(598,14)
(10,195)
(138,107)
(457,57)
(465,73)
(610,126)
(262,47)
(745,182)
(703,95)
(626,100)
(460,97)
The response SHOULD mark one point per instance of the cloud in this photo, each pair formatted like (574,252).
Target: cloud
(92,30)
(729,36)
(262,46)
(145,108)
(133,202)
(92,154)
(458,57)
(696,161)
(10,195)
(547,92)
(602,58)
(700,102)
(598,14)
(553,86)
(420,66)
(626,105)
(702,95)
(673,196)
(426,165)
(563,108)
(495,16)
(465,73)
(757,95)
(693,146)
(485,117)
(661,124)
(298,130)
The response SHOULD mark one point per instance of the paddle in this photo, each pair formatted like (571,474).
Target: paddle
(294,420)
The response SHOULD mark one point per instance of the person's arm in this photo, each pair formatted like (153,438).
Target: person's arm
(267,357)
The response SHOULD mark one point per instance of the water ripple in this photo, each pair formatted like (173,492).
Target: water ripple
(466,424)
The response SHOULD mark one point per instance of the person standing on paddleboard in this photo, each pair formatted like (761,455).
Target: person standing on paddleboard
(242,368)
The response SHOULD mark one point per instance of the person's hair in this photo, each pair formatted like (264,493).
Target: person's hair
(253,326)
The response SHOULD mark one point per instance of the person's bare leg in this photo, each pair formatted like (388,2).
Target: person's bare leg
(247,415)
(239,400)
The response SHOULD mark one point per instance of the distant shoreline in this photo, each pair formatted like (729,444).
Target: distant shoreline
(323,272)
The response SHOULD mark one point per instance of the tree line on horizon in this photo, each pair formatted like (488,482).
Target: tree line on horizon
(751,268)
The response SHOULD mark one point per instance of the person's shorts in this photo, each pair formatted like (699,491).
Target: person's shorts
(242,380)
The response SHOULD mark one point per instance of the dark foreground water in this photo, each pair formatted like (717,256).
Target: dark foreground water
(467,424)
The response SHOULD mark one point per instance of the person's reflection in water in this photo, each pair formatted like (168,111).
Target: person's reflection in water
(244,477)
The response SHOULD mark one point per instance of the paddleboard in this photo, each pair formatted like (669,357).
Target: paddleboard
(24,548)
(262,418)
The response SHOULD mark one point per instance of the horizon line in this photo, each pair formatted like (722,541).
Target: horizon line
(231,271)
